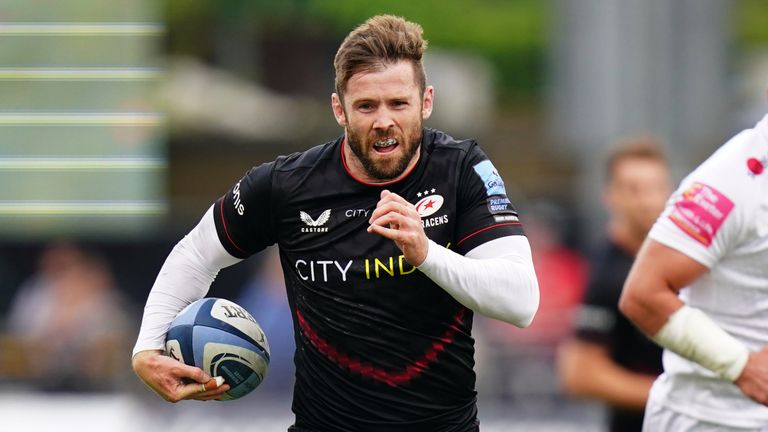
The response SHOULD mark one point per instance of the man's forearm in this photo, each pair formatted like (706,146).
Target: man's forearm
(186,276)
(496,279)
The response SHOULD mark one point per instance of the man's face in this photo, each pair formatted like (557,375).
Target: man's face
(382,113)
(637,192)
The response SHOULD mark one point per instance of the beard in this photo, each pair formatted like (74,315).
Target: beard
(389,168)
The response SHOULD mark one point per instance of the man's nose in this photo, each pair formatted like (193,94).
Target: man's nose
(384,120)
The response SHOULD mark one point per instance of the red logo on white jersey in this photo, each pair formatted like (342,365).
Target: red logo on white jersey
(756,166)
(700,211)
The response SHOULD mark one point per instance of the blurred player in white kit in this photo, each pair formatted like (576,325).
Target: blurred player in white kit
(699,288)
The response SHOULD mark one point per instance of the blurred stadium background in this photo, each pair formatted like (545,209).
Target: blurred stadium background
(120,122)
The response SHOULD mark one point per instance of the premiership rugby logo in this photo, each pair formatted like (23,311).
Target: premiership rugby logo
(315,225)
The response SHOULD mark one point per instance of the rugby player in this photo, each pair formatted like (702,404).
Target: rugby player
(699,288)
(390,236)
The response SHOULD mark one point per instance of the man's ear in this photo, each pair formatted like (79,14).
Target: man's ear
(338,110)
(426,103)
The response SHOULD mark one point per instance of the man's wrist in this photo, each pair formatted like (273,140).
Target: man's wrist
(431,258)
(138,355)
(692,334)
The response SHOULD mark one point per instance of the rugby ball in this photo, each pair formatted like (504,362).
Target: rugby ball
(223,339)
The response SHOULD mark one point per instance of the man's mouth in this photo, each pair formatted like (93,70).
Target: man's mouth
(385,146)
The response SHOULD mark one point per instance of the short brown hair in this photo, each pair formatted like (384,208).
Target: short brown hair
(646,147)
(381,40)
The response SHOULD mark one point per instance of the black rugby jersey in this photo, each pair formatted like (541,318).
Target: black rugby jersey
(600,322)
(380,347)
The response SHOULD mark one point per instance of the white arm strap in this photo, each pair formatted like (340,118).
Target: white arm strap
(186,276)
(496,279)
(692,334)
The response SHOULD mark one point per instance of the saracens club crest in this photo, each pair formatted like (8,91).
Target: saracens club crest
(429,205)
(315,225)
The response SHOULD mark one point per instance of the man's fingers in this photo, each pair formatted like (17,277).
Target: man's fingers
(396,219)
(403,208)
(212,387)
(391,219)
(213,394)
(392,203)
(387,195)
(167,377)
(213,383)
(196,390)
(393,227)
(389,233)
(193,373)
(390,207)
(203,385)
(188,391)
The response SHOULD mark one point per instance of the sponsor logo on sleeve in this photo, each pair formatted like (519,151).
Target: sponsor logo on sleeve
(499,204)
(506,218)
(494,185)
(237,200)
(501,209)
(700,211)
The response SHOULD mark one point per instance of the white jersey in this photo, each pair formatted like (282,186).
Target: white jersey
(719,217)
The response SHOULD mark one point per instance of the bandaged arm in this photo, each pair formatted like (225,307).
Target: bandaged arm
(692,334)
(186,276)
(496,279)
(650,300)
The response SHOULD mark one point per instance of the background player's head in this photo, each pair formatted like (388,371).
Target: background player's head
(637,184)
(381,95)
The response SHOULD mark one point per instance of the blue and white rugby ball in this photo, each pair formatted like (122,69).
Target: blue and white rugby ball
(222,339)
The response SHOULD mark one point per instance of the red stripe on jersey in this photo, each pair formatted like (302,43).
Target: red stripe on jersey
(392,378)
(485,229)
(224,224)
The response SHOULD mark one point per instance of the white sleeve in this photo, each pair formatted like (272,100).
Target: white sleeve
(714,208)
(496,279)
(186,276)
